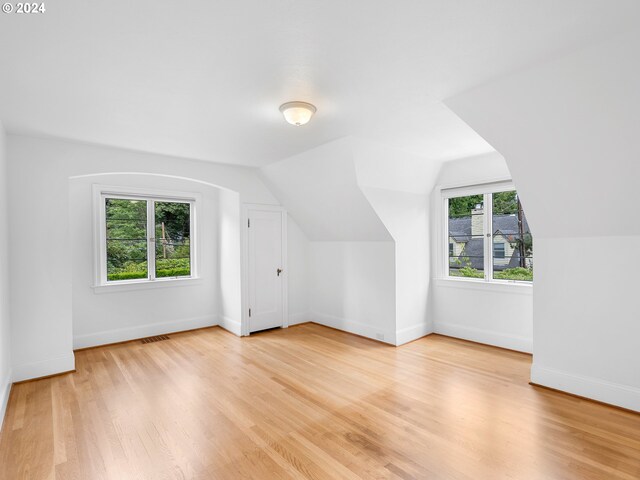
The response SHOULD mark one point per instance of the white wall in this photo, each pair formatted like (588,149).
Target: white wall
(353,287)
(335,239)
(473,170)
(397,186)
(298,278)
(568,130)
(229,258)
(493,315)
(587,330)
(39,170)
(113,314)
(5,326)
(406,216)
(500,315)
(350,191)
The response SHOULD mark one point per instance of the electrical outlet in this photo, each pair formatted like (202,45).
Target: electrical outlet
(380,336)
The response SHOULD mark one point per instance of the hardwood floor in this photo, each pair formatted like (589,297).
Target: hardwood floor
(308,402)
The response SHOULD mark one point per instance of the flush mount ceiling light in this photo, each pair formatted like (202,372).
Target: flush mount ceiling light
(297,113)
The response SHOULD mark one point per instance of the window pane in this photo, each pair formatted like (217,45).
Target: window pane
(173,239)
(466,236)
(126,239)
(514,259)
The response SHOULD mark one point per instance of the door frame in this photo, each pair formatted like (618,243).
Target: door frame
(246,208)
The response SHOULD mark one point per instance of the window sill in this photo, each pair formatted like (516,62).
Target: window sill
(146,284)
(519,288)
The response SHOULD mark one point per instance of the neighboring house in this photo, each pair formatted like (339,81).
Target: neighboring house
(466,246)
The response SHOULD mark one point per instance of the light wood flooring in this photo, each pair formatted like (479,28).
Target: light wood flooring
(308,402)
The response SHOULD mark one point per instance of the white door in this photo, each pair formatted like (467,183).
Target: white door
(266,275)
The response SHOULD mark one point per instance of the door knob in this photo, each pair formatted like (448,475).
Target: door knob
(279,271)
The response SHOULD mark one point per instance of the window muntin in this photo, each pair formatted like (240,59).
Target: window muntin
(146,238)
(491,244)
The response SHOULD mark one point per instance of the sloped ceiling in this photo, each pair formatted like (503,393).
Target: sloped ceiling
(203,79)
(568,130)
(320,191)
(382,167)
(324,189)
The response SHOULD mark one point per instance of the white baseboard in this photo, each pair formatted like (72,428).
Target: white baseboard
(43,368)
(512,342)
(612,393)
(231,325)
(412,333)
(5,390)
(141,331)
(354,327)
(296,318)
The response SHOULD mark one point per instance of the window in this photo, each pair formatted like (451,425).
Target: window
(488,234)
(145,238)
(509,227)
(173,239)
(466,223)
(126,240)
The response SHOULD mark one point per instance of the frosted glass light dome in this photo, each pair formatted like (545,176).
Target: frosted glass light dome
(297,113)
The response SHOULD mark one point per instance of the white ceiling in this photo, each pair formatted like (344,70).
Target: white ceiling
(204,79)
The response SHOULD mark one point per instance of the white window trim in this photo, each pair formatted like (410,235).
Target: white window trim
(100,192)
(444,192)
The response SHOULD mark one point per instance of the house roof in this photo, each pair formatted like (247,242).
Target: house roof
(460,229)
(474,251)
(507,225)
